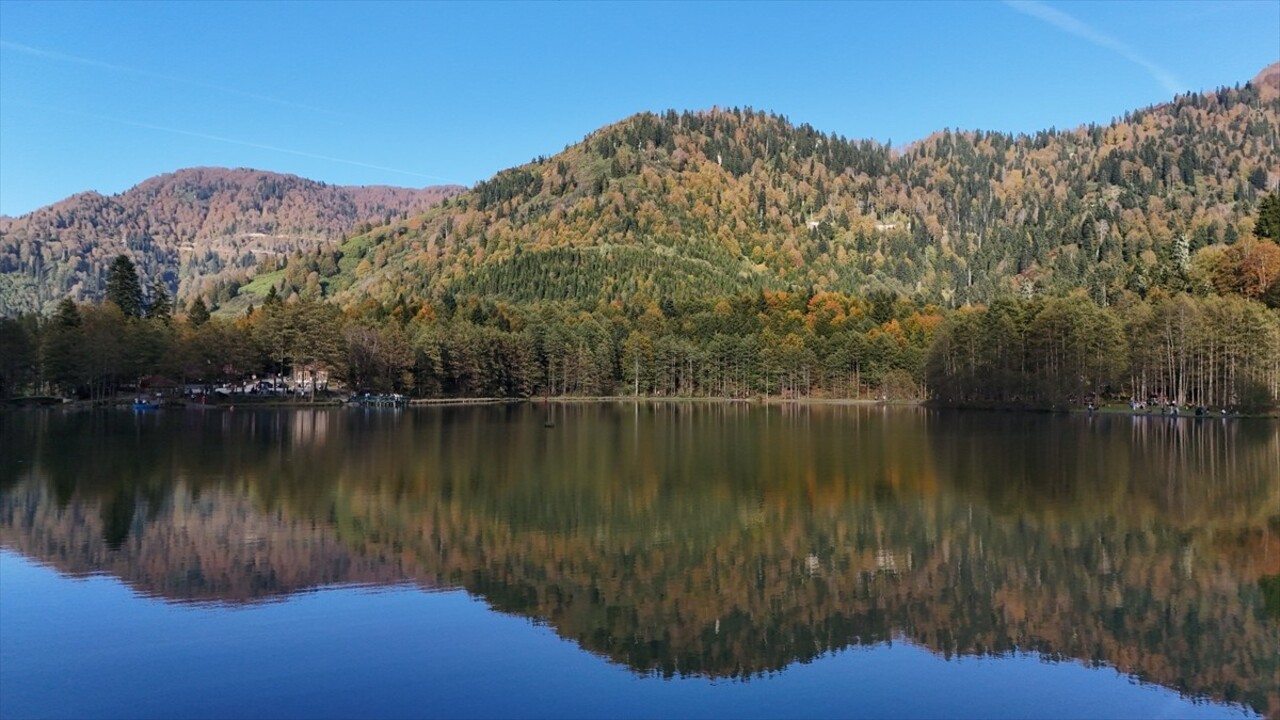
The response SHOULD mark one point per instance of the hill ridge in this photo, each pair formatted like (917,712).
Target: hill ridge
(189,228)
(959,217)
(731,200)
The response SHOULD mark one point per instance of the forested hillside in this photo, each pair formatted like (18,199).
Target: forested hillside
(730,253)
(689,205)
(202,231)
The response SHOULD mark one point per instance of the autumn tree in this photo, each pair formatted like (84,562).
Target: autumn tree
(106,357)
(378,358)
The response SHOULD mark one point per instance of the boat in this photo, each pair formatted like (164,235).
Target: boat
(144,404)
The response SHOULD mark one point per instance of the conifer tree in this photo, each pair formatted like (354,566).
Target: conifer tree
(1268,224)
(161,306)
(62,350)
(198,312)
(123,287)
(67,315)
(17,355)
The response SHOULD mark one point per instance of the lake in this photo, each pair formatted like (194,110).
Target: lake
(637,560)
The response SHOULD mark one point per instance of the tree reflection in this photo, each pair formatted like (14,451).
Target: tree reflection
(715,539)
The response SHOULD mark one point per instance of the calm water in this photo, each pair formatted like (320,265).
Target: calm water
(651,560)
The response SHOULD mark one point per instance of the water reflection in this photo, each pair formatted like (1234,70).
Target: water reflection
(717,540)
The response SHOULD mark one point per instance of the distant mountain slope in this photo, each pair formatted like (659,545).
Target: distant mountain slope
(692,204)
(1268,81)
(194,228)
(701,204)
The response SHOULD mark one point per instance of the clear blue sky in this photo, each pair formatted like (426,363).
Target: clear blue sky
(100,95)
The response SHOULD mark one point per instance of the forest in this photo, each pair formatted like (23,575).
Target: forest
(731,253)
(198,230)
(1218,351)
(694,204)
(725,201)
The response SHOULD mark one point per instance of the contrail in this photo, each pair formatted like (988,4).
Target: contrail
(90,62)
(1066,23)
(274,148)
(243,143)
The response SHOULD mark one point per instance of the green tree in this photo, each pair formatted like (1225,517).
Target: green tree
(161,306)
(304,336)
(1268,223)
(67,315)
(198,312)
(1258,178)
(62,347)
(105,348)
(319,342)
(17,355)
(123,287)
(637,361)
(378,359)
(145,346)
(275,333)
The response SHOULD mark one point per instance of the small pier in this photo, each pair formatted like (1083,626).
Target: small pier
(380,401)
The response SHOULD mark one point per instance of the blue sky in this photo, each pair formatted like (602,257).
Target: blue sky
(100,96)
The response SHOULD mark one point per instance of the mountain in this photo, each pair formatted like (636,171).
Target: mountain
(196,229)
(719,202)
(697,205)
(1268,81)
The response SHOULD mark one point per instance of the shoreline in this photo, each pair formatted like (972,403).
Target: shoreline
(224,404)
(1108,410)
(761,401)
(757,400)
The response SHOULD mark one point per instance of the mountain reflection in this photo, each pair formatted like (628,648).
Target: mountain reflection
(716,540)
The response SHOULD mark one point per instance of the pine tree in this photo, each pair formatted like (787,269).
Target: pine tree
(198,312)
(1258,178)
(1268,224)
(123,287)
(161,306)
(62,350)
(67,315)
(17,355)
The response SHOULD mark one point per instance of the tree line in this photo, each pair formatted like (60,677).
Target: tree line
(1220,351)
(762,343)
(1211,351)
